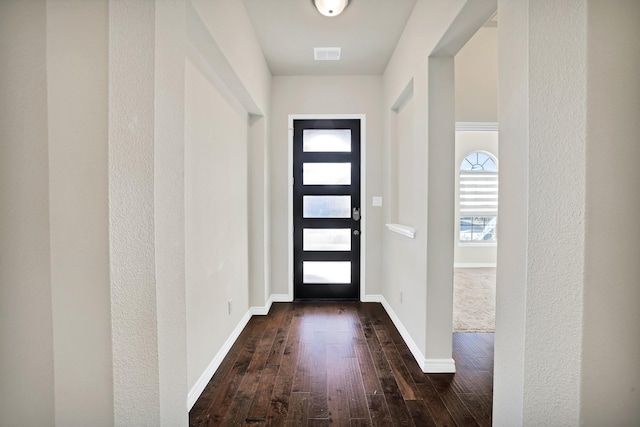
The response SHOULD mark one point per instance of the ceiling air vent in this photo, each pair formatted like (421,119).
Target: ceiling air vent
(326,53)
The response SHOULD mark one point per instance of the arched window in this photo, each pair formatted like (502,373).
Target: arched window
(478,198)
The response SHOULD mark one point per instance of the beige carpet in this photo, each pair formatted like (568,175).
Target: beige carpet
(474,299)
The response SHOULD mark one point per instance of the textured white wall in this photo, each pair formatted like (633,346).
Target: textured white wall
(77,65)
(611,348)
(26,361)
(216,219)
(131,213)
(324,95)
(568,75)
(555,252)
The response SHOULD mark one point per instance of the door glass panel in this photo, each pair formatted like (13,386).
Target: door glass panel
(323,140)
(326,174)
(326,239)
(326,206)
(326,272)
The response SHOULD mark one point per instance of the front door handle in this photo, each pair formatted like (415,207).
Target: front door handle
(356,214)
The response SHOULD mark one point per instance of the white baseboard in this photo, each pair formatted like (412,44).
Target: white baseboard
(261,311)
(206,376)
(474,265)
(281,298)
(372,298)
(439,366)
(428,366)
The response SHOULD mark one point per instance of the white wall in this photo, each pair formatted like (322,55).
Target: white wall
(324,95)
(222,37)
(216,219)
(77,58)
(611,348)
(477,78)
(229,25)
(473,254)
(226,245)
(26,330)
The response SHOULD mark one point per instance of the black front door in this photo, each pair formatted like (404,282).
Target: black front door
(326,209)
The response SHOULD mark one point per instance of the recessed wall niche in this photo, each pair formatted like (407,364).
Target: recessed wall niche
(401,209)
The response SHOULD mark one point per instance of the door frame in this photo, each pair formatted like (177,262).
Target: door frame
(363,192)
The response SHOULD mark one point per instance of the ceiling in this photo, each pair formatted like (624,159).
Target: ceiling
(367,32)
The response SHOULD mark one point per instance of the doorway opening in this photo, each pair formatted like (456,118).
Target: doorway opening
(476,162)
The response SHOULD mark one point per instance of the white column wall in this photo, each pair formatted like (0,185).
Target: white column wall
(440,157)
(542,194)
(511,275)
(169,208)
(146,211)
(258,191)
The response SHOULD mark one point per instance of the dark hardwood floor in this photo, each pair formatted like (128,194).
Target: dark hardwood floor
(345,364)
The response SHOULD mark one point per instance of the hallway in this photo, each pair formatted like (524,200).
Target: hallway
(344,364)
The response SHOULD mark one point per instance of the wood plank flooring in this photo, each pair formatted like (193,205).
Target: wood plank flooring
(344,364)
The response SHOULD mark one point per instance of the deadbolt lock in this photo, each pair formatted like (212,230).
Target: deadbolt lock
(356,214)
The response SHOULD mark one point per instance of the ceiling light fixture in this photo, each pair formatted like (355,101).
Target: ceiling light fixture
(330,7)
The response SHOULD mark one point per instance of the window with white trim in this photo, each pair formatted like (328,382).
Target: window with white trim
(478,198)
